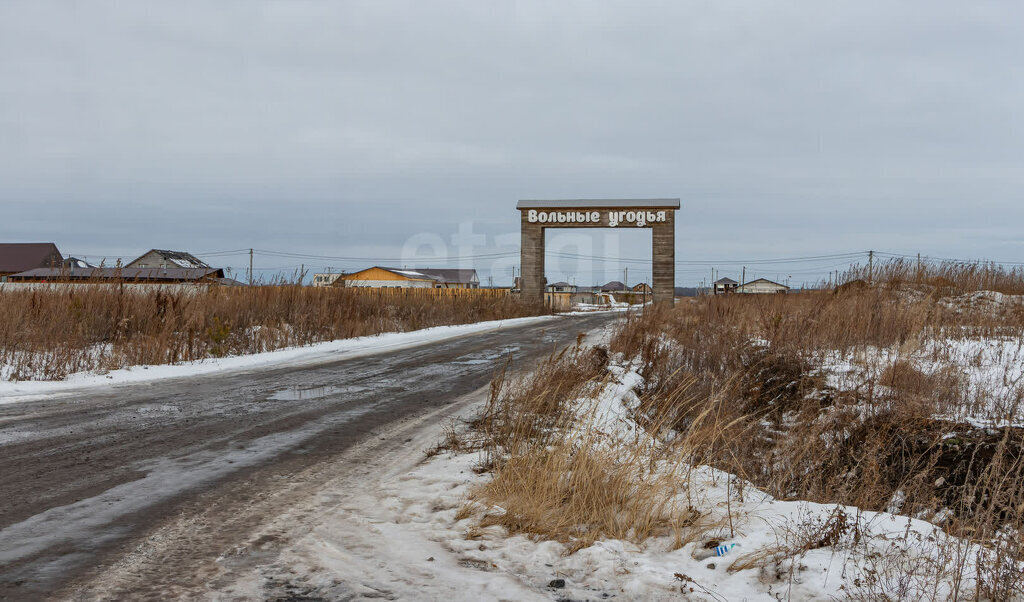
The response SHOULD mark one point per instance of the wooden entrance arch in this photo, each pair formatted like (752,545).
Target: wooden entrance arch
(656,214)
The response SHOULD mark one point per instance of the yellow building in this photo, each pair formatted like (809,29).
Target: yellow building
(379,277)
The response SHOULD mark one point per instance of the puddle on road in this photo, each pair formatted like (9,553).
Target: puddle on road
(299,393)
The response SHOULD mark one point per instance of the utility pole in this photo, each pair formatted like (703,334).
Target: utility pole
(871,266)
(743,278)
(250,267)
(625,278)
(918,266)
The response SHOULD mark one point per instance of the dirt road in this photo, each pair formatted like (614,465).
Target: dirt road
(88,480)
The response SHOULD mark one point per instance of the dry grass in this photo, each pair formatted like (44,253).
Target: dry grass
(549,484)
(946,278)
(48,334)
(743,382)
(880,443)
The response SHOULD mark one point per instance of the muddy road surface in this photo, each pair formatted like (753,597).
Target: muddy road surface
(86,477)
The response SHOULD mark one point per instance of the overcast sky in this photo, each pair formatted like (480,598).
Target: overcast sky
(378,129)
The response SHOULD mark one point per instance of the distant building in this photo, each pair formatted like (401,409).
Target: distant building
(761,286)
(725,285)
(561,287)
(381,277)
(325,279)
(71,263)
(613,287)
(453,277)
(643,288)
(159,258)
(19,257)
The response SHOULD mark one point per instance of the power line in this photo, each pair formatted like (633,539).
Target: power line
(946,259)
(705,262)
(495,255)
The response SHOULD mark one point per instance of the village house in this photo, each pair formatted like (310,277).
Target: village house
(725,285)
(613,287)
(453,277)
(157,266)
(71,263)
(381,277)
(561,287)
(761,286)
(326,279)
(643,288)
(159,258)
(18,257)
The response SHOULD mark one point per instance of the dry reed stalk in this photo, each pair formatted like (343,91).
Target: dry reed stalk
(48,334)
(870,445)
(743,381)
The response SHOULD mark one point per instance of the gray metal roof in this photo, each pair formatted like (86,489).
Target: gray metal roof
(461,276)
(599,204)
(127,274)
(749,282)
(181,259)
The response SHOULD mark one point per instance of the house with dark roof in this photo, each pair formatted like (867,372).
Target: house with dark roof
(613,287)
(160,258)
(725,285)
(561,287)
(18,257)
(71,263)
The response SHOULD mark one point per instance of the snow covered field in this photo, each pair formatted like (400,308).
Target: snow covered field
(989,372)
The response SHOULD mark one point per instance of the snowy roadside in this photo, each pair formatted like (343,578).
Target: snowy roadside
(406,534)
(15,391)
(990,371)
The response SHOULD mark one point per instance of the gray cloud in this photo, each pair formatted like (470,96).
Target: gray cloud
(344,128)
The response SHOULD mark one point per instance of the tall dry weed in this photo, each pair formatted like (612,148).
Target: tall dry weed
(48,334)
(880,438)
